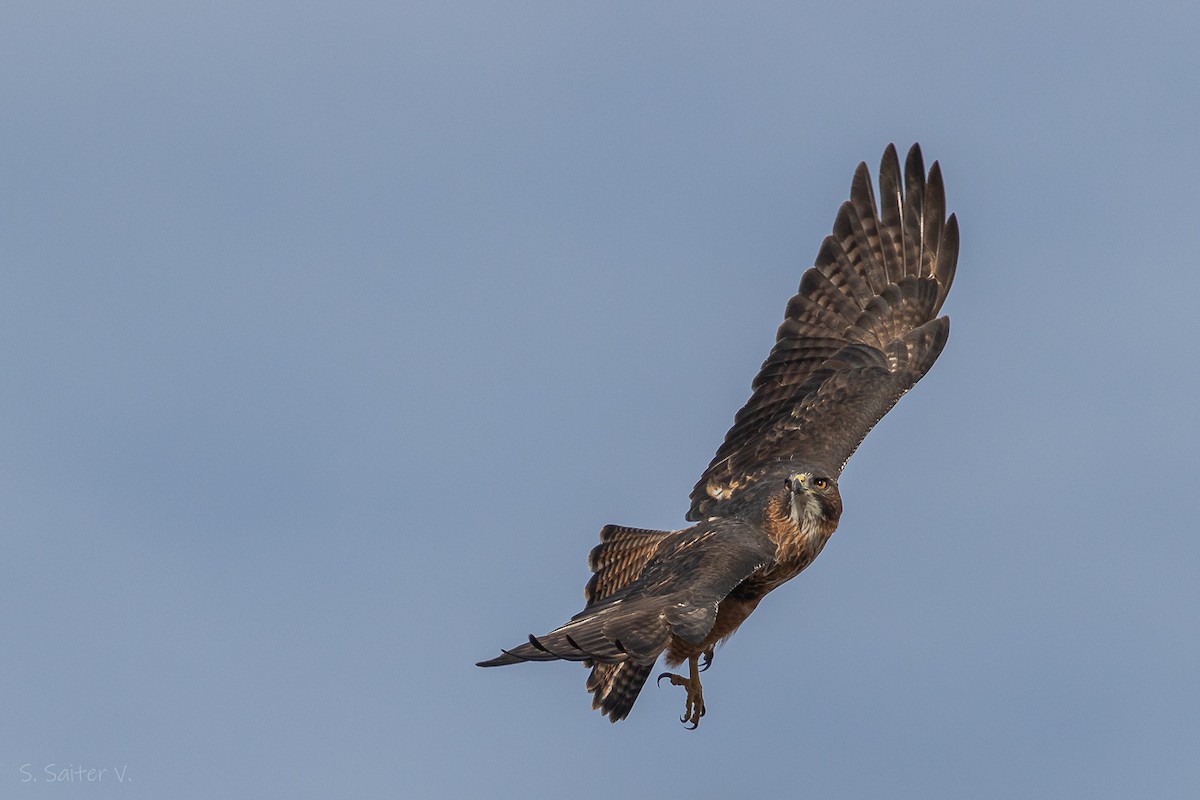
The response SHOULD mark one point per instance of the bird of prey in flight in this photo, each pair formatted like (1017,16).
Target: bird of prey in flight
(861,330)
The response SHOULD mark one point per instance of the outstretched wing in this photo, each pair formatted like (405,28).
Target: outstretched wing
(859,333)
(677,593)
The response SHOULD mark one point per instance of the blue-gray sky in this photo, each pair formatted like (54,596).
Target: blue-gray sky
(331,334)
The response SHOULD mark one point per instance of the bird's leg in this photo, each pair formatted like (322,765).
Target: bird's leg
(693,708)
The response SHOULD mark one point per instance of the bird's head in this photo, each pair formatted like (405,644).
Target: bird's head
(815,500)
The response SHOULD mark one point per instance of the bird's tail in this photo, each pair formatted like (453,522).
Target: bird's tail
(619,559)
(620,666)
(615,687)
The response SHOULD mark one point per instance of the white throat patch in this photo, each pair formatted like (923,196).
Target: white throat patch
(806,512)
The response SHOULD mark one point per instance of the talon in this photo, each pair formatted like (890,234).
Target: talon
(693,708)
(676,680)
(708,657)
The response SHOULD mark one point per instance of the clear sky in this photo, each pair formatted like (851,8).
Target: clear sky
(332,333)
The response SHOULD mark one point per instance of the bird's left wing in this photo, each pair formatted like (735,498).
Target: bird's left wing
(861,330)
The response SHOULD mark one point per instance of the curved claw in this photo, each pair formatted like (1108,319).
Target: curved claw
(707,655)
(693,708)
(694,718)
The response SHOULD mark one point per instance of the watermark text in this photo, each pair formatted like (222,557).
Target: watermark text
(74,773)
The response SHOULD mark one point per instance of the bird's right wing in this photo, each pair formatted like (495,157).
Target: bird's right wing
(677,593)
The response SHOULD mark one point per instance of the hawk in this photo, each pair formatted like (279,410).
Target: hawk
(860,332)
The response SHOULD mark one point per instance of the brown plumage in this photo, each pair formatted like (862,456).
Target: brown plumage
(859,333)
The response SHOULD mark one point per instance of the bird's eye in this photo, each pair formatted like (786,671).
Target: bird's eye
(821,484)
